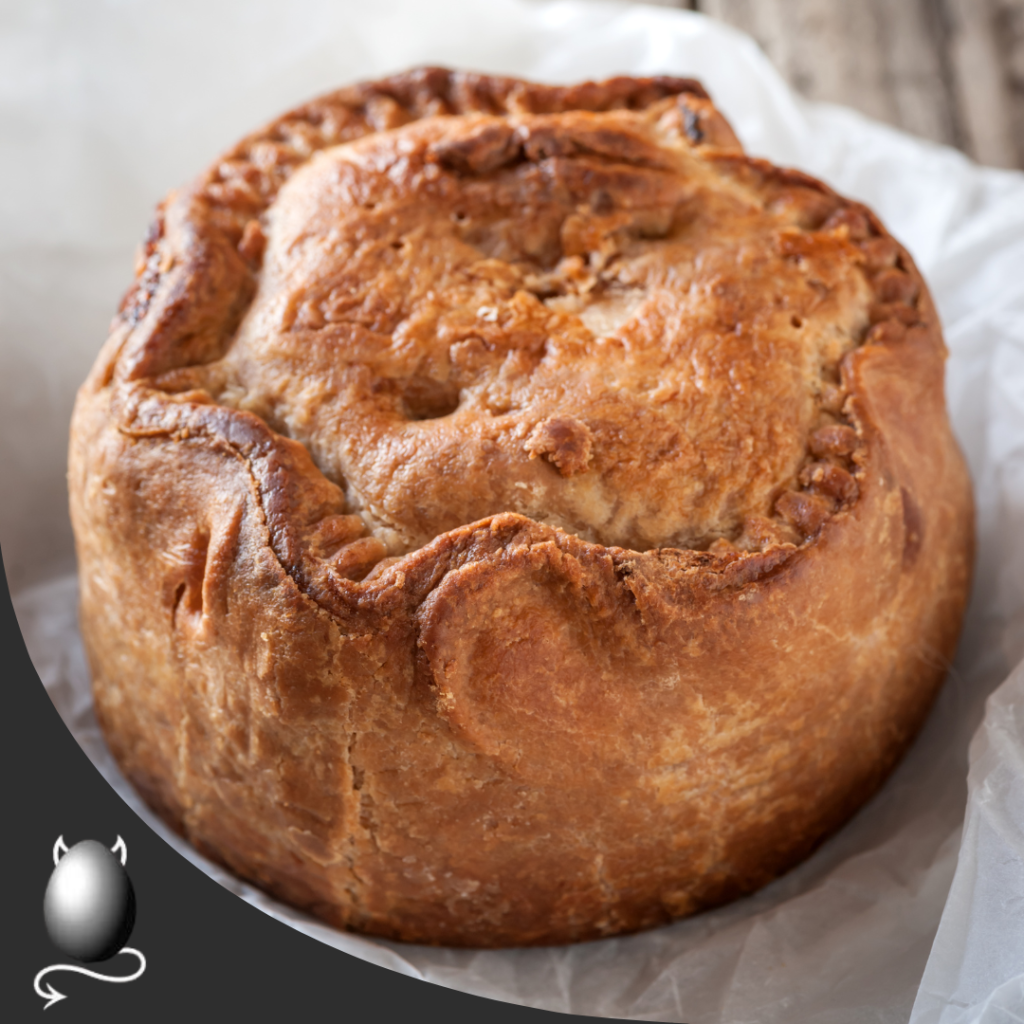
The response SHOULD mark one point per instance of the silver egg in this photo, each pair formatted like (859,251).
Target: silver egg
(89,906)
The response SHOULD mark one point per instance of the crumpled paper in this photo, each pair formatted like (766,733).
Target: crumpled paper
(975,972)
(116,102)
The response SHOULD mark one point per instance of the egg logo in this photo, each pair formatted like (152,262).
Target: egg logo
(89,910)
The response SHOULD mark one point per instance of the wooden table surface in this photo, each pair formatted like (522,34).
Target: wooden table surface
(948,70)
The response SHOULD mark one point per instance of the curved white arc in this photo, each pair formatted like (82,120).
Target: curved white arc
(51,995)
(60,848)
(119,845)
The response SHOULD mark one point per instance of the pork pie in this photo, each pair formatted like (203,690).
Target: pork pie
(509,514)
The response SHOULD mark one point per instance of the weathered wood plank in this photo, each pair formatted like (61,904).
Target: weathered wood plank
(877,56)
(948,70)
(979,61)
(1009,15)
(910,35)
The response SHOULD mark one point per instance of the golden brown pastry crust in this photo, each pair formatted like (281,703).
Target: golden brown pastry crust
(509,514)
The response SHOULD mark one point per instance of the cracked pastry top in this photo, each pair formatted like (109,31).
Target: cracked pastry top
(511,514)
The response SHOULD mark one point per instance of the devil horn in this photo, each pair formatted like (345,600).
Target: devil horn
(59,849)
(119,845)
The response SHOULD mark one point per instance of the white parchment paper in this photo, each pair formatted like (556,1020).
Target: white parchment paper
(104,106)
